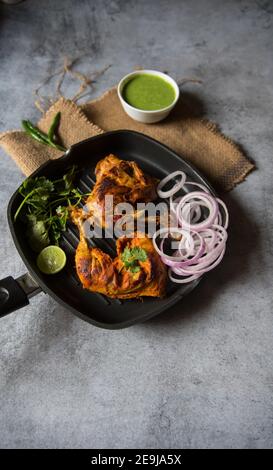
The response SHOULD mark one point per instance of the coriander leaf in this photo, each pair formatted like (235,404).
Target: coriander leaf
(36,192)
(69,177)
(44,185)
(135,269)
(139,253)
(130,258)
(62,212)
(126,256)
(27,186)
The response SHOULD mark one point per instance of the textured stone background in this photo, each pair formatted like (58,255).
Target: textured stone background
(200,375)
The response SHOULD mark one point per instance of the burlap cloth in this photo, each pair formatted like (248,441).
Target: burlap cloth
(196,140)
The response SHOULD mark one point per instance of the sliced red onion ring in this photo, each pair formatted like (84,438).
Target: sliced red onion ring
(209,236)
(170,230)
(191,211)
(201,243)
(176,187)
(183,280)
(174,203)
(200,251)
(194,208)
(211,204)
(225,211)
(205,262)
(189,257)
(191,270)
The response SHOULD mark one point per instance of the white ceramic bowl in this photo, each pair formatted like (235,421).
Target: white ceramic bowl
(141,115)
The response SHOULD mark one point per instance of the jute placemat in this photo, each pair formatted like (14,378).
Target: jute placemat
(195,139)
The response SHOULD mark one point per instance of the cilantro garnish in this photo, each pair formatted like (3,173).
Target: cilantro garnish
(45,207)
(131,257)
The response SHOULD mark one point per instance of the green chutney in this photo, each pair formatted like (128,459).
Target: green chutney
(148,92)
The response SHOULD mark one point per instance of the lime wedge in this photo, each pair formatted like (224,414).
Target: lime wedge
(51,260)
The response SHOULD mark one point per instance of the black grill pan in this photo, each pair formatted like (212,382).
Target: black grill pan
(155,159)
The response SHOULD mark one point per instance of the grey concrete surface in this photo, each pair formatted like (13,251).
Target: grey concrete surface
(200,375)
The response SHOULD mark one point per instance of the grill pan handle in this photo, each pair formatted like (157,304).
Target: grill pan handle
(15,293)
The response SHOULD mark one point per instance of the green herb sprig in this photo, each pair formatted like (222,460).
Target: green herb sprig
(131,257)
(45,207)
(42,137)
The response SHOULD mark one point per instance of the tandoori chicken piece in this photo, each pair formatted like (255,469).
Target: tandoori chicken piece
(136,271)
(123,180)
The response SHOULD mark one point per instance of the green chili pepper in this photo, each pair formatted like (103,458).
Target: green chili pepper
(46,139)
(54,126)
(34,132)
